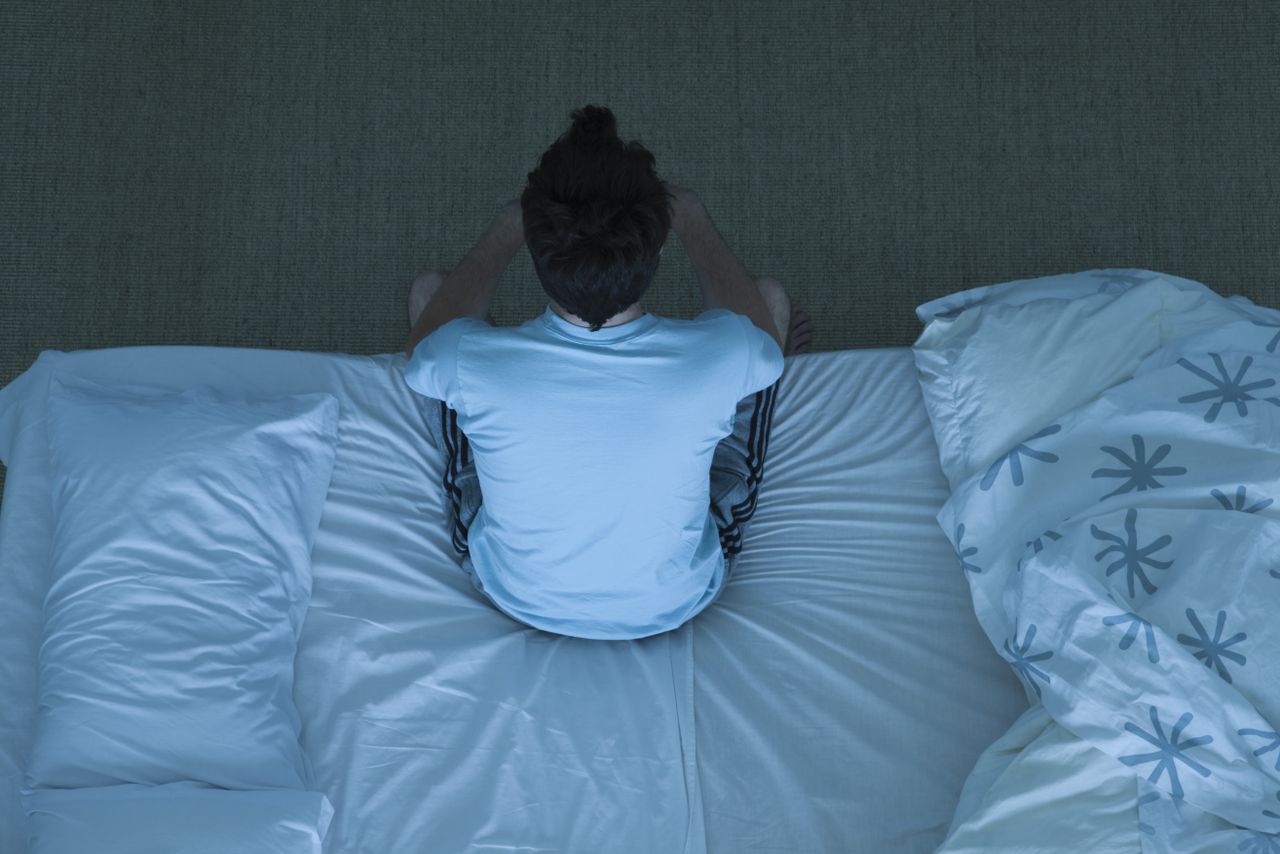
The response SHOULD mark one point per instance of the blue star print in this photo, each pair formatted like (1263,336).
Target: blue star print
(1271,347)
(1023,663)
(1038,545)
(1146,799)
(1136,623)
(1038,542)
(1269,813)
(1260,843)
(1266,748)
(1015,464)
(1239,505)
(1211,652)
(1227,388)
(972,550)
(1170,750)
(1132,557)
(1141,472)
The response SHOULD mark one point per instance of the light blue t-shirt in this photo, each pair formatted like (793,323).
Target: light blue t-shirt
(593,451)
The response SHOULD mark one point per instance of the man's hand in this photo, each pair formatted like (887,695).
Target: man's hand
(513,214)
(685,203)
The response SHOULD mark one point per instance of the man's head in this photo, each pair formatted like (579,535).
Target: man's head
(595,218)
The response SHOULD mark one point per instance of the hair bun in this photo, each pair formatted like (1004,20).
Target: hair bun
(593,125)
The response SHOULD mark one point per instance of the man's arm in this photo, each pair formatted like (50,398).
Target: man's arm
(724,281)
(468,289)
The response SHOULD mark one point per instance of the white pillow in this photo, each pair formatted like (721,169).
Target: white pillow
(1113,281)
(180,578)
(998,362)
(178,818)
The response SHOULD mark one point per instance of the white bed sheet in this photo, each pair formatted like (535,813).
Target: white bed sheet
(834,699)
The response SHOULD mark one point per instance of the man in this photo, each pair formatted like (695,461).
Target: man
(617,453)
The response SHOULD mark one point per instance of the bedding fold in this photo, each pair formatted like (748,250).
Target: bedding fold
(1120,544)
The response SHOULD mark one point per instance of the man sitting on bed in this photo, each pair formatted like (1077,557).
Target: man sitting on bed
(595,425)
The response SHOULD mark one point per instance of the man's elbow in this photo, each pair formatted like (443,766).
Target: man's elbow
(415,338)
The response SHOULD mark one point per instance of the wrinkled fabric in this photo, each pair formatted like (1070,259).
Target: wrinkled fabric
(1121,557)
(833,699)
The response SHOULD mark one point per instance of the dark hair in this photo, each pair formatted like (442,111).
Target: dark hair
(595,218)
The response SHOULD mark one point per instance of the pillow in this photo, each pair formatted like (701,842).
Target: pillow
(177,818)
(1114,281)
(180,575)
(998,362)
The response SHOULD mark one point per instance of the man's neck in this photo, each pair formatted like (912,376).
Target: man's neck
(631,313)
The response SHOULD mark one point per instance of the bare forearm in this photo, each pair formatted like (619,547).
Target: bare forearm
(468,289)
(725,283)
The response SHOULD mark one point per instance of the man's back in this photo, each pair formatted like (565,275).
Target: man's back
(593,451)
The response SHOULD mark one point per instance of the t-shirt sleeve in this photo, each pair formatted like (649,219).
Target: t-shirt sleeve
(765,361)
(432,370)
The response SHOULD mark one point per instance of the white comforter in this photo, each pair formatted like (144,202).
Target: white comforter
(1124,557)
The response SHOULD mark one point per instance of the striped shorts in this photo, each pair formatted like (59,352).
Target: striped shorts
(737,469)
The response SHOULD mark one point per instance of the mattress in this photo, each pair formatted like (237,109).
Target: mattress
(835,698)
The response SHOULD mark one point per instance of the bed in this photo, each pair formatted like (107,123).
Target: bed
(848,692)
